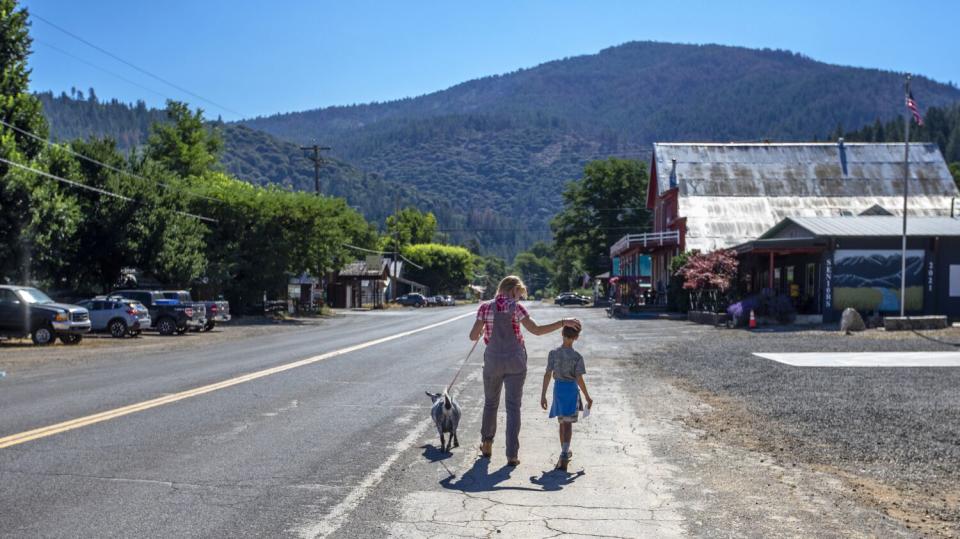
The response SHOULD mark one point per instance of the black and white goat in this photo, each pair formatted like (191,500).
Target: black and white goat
(446,415)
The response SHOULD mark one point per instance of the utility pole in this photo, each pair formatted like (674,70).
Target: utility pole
(318,162)
(396,244)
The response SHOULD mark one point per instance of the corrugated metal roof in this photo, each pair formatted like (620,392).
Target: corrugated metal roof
(732,193)
(824,169)
(361,269)
(870,225)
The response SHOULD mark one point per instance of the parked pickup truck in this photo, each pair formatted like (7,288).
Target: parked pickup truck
(169,316)
(28,311)
(216,311)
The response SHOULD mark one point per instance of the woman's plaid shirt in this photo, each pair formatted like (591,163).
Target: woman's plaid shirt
(502,303)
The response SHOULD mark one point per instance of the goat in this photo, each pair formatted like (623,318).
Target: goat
(446,415)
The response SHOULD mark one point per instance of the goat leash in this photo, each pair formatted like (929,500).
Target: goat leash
(462,365)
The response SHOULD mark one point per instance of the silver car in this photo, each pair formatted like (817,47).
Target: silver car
(118,316)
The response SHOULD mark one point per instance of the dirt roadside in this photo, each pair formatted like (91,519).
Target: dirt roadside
(16,354)
(730,485)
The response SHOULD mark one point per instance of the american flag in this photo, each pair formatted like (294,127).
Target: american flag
(912,105)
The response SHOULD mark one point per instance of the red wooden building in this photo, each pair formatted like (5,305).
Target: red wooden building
(706,196)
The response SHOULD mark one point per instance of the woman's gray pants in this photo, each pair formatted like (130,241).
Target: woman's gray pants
(493,380)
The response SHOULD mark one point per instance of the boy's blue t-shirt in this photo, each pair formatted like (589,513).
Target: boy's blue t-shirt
(566,364)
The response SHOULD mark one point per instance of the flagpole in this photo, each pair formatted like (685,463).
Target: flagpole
(906,184)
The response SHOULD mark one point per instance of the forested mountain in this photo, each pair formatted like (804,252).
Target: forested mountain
(78,116)
(645,91)
(492,155)
(261,159)
(940,125)
(509,142)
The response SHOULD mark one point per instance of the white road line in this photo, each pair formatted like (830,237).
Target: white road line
(865,359)
(333,519)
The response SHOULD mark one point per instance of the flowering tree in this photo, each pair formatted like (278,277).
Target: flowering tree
(709,276)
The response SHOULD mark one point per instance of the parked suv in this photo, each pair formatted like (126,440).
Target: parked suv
(412,300)
(216,311)
(117,315)
(28,311)
(169,316)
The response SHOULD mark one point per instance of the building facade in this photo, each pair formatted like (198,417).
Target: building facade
(707,196)
(827,264)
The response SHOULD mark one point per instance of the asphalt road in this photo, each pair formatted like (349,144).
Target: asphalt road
(248,460)
(337,446)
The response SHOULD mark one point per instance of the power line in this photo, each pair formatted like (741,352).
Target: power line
(132,65)
(102,164)
(412,263)
(105,70)
(91,188)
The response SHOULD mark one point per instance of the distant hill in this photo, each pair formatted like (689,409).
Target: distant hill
(261,159)
(941,125)
(644,91)
(72,116)
(503,146)
(509,142)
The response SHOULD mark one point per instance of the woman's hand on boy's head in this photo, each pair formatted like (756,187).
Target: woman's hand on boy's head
(571,322)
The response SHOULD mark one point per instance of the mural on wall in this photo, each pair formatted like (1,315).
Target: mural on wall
(869,280)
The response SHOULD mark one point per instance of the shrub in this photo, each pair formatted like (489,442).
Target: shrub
(780,308)
(708,277)
(740,311)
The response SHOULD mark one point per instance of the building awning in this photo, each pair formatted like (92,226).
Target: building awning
(782,246)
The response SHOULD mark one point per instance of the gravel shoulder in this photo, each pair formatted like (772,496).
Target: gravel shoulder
(881,438)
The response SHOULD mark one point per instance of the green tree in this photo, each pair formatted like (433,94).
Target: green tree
(955,170)
(489,270)
(37,216)
(446,268)
(185,145)
(410,226)
(609,202)
(536,272)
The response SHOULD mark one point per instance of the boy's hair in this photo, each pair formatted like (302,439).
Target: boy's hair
(570,332)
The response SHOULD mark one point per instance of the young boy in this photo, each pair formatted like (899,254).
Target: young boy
(566,366)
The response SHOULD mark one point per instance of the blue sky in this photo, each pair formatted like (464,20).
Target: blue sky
(264,57)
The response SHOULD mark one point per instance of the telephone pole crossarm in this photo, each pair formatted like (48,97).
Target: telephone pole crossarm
(318,162)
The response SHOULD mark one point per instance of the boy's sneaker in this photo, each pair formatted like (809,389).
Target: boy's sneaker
(564,461)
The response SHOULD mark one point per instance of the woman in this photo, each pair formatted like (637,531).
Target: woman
(505,360)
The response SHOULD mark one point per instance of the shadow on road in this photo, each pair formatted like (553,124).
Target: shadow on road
(479,479)
(555,479)
(434,454)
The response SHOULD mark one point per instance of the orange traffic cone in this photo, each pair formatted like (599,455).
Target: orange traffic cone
(753,320)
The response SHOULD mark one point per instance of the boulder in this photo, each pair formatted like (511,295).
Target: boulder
(851,321)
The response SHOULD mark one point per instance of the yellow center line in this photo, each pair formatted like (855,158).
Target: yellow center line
(72,424)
